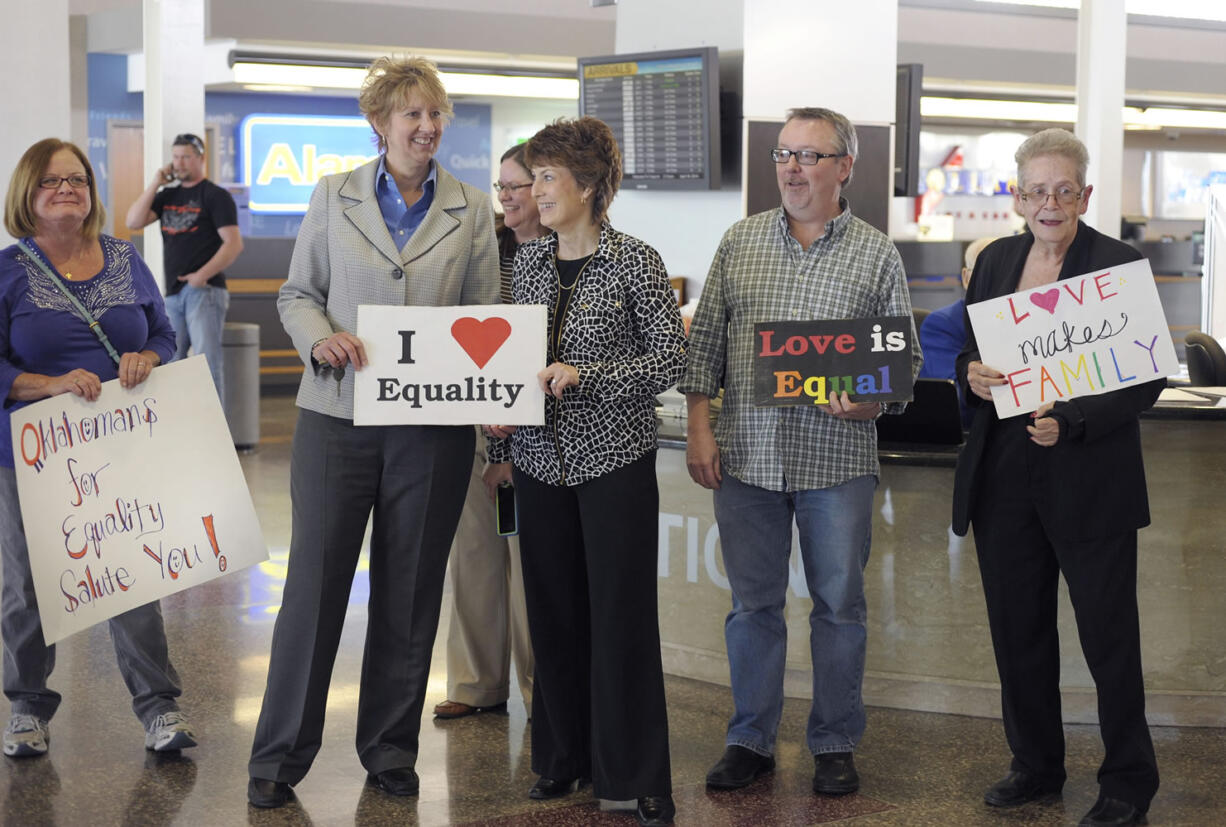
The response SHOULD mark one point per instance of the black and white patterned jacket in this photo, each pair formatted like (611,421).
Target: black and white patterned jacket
(623,333)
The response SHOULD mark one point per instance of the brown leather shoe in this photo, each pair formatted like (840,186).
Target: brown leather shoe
(454,709)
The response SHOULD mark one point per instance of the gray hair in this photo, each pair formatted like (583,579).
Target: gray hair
(844,133)
(1054,141)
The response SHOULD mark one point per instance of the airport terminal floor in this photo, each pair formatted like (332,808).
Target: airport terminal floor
(927,643)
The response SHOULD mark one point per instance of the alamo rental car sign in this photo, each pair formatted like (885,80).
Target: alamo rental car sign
(284,156)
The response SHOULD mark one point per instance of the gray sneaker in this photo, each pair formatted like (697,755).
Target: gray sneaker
(26,735)
(169,731)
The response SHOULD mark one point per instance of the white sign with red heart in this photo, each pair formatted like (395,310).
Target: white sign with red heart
(1081,336)
(467,365)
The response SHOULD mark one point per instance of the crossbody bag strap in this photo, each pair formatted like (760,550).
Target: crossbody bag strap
(81,311)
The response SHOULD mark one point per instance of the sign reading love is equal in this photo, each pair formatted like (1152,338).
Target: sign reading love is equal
(1078,337)
(467,365)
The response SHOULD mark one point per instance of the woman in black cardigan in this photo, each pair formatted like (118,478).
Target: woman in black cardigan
(1061,491)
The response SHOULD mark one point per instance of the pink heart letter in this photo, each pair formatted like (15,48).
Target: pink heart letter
(480,339)
(1046,300)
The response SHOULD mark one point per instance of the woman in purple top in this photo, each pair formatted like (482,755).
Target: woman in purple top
(46,349)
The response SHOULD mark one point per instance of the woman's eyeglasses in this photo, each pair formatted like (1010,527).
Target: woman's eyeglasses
(499,186)
(52,182)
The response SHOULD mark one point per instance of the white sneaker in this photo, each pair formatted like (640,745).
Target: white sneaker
(169,731)
(26,735)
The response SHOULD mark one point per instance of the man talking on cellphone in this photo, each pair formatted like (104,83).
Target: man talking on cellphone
(200,240)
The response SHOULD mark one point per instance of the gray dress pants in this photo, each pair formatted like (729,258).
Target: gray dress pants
(413,479)
(138,634)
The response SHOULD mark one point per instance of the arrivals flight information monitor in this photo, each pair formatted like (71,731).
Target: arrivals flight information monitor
(663,110)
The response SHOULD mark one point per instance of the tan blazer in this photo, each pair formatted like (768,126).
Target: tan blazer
(345,257)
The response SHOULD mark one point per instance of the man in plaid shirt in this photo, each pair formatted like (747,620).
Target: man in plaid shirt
(809,259)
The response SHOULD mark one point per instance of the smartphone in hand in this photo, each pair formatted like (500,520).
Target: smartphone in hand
(506,514)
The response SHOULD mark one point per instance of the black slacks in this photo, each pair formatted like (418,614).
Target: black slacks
(1021,563)
(589,558)
(413,479)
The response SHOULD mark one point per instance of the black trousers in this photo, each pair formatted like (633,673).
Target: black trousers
(413,479)
(589,557)
(1021,563)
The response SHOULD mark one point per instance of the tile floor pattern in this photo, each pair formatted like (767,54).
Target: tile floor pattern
(917,768)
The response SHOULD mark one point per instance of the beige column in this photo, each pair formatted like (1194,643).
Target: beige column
(1102,36)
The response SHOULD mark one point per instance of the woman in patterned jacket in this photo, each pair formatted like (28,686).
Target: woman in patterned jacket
(586,482)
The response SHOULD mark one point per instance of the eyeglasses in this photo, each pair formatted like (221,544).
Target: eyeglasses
(1038,198)
(52,182)
(511,188)
(804,157)
(188,139)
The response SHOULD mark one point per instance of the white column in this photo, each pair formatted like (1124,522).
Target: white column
(174,90)
(34,60)
(1102,33)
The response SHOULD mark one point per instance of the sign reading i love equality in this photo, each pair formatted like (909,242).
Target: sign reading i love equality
(467,365)
(1078,337)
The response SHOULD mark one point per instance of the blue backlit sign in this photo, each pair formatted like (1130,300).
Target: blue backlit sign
(283,156)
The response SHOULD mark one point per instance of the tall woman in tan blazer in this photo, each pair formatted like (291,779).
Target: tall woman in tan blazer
(397,231)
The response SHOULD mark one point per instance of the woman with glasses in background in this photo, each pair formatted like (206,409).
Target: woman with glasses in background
(1059,492)
(489,623)
(46,349)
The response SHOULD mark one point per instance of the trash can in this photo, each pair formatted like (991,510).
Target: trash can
(241,345)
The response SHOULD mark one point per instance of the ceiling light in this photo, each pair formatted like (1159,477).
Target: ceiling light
(456,83)
(997,110)
(1181,9)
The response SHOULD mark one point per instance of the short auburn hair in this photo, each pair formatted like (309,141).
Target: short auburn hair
(392,81)
(19,218)
(585,146)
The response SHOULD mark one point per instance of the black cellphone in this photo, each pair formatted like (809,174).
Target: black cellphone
(506,514)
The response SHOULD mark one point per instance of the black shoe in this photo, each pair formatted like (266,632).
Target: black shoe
(835,774)
(1113,811)
(1019,787)
(268,794)
(655,810)
(739,767)
(397,781)
(546,787)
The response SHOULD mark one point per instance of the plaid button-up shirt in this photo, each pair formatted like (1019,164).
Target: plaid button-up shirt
(762,274)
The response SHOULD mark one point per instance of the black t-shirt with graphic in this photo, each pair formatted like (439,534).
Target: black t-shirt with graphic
(190,217)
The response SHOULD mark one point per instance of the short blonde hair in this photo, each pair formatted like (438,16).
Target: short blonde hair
(392,81)
(1054,141)
(19,218)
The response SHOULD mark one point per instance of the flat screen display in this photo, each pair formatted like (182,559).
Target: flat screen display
(663,107)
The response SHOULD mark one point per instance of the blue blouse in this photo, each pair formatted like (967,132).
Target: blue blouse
(40,331)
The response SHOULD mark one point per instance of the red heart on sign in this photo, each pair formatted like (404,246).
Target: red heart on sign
(1046,300)
(481,339)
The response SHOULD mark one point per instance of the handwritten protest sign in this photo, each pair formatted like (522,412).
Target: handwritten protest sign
(1078,337)
(805,363)
(131,497)
(468,365)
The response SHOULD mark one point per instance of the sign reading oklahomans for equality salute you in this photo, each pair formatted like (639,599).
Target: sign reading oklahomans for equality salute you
(1078,337)
(131,497)
(805,363)
(466,365)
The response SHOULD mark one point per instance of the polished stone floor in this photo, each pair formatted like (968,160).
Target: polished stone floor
(927,651)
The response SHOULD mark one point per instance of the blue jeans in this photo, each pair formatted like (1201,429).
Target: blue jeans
(755,526)
(198,315)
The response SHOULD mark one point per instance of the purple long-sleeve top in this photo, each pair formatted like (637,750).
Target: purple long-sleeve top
(41,331)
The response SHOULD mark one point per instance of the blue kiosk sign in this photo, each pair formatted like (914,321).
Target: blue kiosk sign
(283,156)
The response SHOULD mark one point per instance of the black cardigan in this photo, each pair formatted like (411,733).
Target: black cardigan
(1097,470)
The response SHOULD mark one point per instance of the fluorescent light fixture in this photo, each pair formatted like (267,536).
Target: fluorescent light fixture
(456,83)
(1135,118)
(275,87)
(997,110)
(1181,9)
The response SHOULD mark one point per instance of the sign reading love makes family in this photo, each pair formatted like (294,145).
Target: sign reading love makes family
(1078,337)
(467,365)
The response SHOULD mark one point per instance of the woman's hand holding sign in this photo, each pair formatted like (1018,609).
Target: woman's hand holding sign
(982,378)
(340,349)
(842,407)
